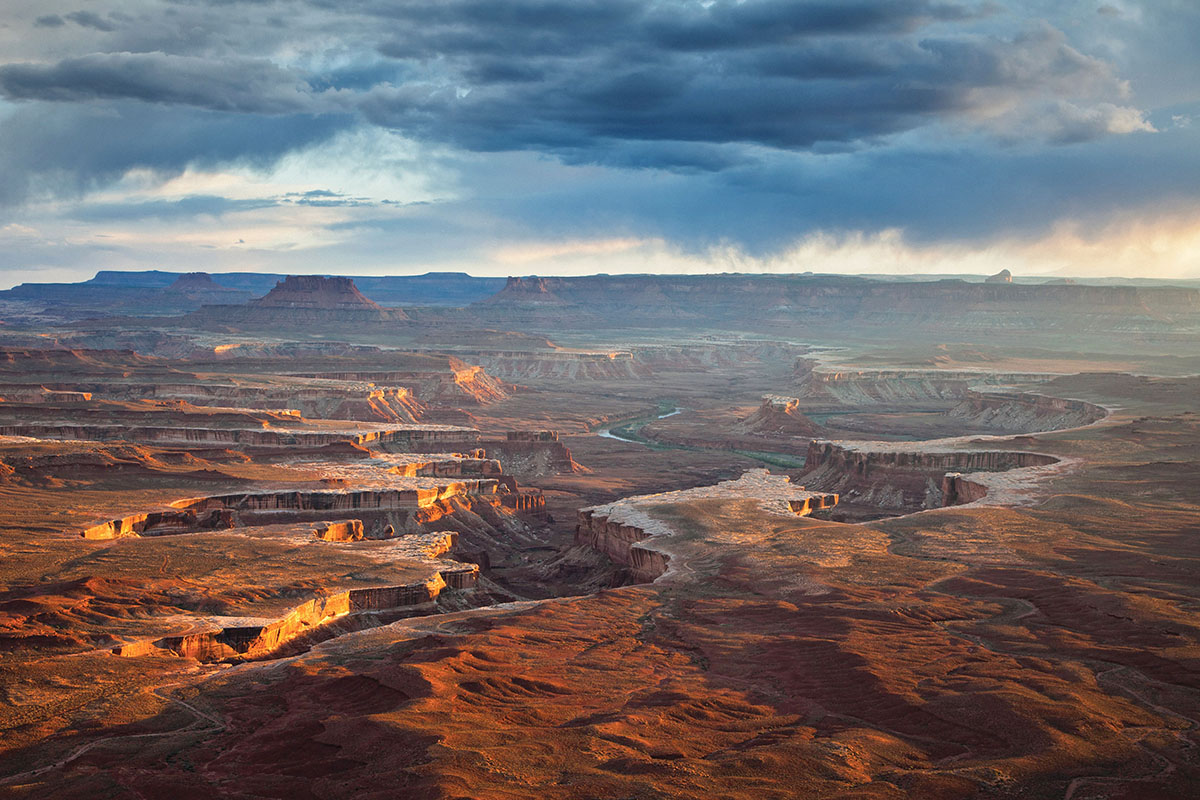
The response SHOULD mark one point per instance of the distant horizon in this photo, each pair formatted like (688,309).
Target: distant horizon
(563,137)
(931,276)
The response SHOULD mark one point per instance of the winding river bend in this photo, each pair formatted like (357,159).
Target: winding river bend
(629,430)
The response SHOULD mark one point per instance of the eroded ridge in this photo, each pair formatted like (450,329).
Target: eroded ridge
(900,477)
(241,638)
(388,494)
(620,529)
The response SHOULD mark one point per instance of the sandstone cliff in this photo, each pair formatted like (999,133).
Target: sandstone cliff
(889,477)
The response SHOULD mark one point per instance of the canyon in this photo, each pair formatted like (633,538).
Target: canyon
(610,536)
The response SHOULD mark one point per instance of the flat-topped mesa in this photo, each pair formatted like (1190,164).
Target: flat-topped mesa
(893,477)
(618,529)
(778,416)
(316,291)
(298,301)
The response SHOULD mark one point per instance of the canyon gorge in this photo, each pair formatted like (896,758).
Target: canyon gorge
(605,537)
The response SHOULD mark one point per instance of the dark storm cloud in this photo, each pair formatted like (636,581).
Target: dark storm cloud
(602,81)
(67,149)
(753,121)
(246,85)
(573,78)
(89,19)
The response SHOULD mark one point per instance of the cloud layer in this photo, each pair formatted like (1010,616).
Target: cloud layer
(752,125)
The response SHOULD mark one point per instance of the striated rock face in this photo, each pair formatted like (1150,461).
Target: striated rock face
(778,416)
(832,303)
(1026,412)
(620,543)
(423,439)
(315,291)
(162,523)
(350,530)
(617,529)
(895,387)
(899,479)
(256,638)
(553,365)
(37,394)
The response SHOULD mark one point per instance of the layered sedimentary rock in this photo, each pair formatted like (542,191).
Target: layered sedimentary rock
(314,399)
(895,387)
(1026,411)
(461,383)
(620,530)
(162,523)
(315,291)
(39,394)
(350,530)
(868,306)
(559,365)
(778,416)
(420,439)
(297,301)
(243,639)
(897,478)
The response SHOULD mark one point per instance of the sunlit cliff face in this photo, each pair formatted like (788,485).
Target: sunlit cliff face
(570,137)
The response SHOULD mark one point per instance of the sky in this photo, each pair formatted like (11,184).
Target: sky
(560,137)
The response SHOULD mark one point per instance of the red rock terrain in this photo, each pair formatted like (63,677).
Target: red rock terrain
(293,583)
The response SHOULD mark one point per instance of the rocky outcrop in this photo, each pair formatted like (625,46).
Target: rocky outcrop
(248,639)
(619,529)
(927,388)
(1025,412)
(900,478)
(1003,276)
(162,523)
(350,530)
(778,416)
(620,543)
(407,510)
